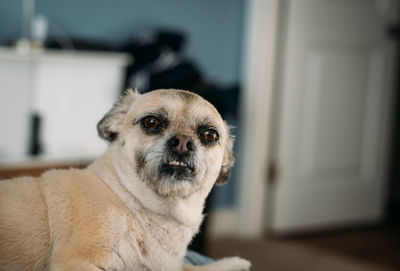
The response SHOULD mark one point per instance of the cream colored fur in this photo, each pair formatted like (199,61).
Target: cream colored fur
(114,215)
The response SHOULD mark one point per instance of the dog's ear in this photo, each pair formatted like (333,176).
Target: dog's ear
(227,161)
(111,124)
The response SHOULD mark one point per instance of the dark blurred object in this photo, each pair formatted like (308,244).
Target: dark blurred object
(393,31)
(183,76)
(224,99)
(160,62)
(393,205)
(35,146)
(150,46)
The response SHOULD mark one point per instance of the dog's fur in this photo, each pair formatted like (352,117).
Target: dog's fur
(128,210)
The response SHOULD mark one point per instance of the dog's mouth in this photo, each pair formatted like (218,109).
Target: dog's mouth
(178,164)
(178,169)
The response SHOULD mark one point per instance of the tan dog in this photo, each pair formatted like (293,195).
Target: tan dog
(135,208)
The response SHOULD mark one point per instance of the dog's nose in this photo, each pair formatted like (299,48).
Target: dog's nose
(181,144)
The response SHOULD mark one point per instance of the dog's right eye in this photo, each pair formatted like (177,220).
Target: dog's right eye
(151,124)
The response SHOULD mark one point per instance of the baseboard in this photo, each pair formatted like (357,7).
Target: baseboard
(222,223)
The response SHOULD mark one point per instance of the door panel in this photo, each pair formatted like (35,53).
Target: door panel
(337,110)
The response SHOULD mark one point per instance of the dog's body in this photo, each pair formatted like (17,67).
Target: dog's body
(135,208)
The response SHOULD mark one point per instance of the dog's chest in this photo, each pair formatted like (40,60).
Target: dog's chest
(150,243)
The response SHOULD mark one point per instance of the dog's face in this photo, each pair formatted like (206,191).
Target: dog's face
(172,140)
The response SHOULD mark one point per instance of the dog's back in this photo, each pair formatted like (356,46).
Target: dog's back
(24,233)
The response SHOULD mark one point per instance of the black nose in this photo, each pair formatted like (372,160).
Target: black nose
(181,144)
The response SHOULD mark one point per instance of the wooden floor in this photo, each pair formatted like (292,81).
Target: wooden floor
(380,245)
(373,249)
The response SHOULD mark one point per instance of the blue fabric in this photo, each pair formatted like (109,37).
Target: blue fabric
(195,258)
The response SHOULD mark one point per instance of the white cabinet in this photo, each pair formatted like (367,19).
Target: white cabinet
(70,90)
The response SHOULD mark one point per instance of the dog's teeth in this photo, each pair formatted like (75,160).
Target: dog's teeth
(176,163)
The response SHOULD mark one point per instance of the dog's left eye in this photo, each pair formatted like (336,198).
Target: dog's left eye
(151,124)
(209,136)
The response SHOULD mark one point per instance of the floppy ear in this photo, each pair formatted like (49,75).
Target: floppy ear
(110,125)
(228,160)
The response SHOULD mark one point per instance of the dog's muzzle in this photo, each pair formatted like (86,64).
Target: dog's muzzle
(179,160)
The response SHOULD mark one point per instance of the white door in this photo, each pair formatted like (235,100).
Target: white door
(334,90)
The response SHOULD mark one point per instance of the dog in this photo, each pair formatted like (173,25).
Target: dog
(136,207)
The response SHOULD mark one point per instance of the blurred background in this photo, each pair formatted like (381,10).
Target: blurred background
(310,85)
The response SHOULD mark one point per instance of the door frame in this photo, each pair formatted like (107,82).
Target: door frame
(259,81)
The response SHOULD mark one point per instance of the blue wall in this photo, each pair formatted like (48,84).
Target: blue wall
(214,26)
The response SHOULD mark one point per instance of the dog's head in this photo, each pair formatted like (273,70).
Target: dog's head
(173,140)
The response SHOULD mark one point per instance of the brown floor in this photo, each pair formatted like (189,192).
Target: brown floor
(374,249)
(376,245)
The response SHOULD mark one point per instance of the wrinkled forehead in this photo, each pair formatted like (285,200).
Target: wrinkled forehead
(178,105)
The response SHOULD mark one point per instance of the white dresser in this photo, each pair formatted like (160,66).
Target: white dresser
(70,90)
